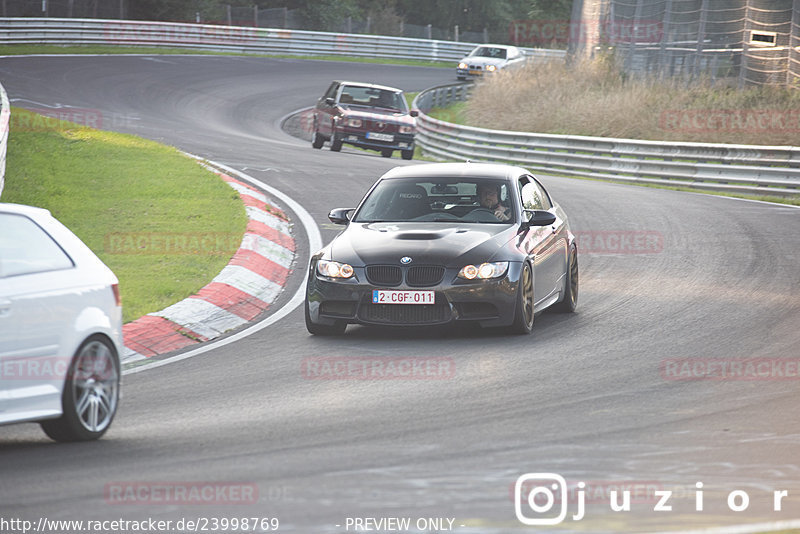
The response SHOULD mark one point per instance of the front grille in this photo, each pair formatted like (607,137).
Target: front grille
(381,126)
(424,275)
(384,275)
(404,314)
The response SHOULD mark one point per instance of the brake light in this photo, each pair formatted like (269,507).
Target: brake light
(117,297)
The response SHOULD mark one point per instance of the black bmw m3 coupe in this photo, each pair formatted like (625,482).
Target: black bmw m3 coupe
(436,243)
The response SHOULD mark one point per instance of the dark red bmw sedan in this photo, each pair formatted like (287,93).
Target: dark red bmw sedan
(365,115)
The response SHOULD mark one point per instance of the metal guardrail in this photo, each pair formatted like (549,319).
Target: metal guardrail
(771,170)
(5,124)
(232,39)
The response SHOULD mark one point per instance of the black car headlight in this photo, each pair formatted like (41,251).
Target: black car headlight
(484,271)
(334,269)
(354,123)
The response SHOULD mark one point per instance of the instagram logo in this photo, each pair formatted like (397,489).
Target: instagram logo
(540,491)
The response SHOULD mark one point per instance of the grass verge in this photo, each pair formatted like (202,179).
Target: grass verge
(163,224)
(598,99)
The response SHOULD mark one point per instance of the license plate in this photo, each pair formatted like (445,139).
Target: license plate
(383,296)
(476,72)
(380,136)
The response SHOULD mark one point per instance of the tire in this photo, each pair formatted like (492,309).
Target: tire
(407,154)
(336,329)
(336,142)
(387,153)
(91,393)
(570,300)
(316,139)
(523,310)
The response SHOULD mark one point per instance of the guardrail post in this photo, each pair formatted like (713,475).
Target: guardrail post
(745,45)
(637,15)
(662,52)
(701,30)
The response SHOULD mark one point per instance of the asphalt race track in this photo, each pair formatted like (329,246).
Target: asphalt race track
(588,396)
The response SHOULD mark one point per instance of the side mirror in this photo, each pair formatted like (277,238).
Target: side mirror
(340,215)
(538,218)
(414,113)
(330,101)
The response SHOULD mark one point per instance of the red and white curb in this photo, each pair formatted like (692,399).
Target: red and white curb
(246,287)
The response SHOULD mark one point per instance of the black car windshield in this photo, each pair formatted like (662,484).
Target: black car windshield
(373,97)
(457,200)
(489,51)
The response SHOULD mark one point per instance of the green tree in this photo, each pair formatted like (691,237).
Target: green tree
(329,15)
(469,15)
(550,9)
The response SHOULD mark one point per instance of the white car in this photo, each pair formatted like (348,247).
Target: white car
(488,58)
(60,328)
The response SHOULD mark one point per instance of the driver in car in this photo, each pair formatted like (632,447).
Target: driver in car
(489,198)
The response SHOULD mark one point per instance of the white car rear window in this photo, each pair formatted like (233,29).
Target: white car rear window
(25,248)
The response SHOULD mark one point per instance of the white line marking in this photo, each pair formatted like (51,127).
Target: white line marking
(249,282)
(201,317)
(269,219)
(268,249)
(247,191)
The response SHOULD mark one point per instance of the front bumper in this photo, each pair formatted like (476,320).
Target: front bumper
(360,139)
(472,72)
(488,302)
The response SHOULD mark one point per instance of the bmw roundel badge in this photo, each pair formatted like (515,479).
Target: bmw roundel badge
(405,260)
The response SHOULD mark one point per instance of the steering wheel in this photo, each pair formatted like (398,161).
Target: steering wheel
(482,210)
(481,214)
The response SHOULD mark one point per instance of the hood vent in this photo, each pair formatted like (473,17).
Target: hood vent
(421,236)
